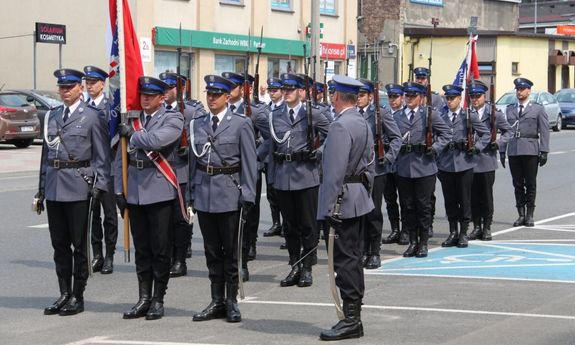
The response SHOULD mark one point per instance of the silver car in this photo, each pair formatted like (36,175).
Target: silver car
(546,99)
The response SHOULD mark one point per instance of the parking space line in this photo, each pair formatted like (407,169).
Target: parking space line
(106,340)
(524,250)
(437,310)
(543,221)
(541,242)
(557,152)
(473,267)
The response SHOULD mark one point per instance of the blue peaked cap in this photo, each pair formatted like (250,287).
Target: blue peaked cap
(292,81)
(452,90)
(218,84)
(346,84)
(477,87)
(68,76)
(151,86)
(171,78)
(394,89)
(93,72)
(412,87)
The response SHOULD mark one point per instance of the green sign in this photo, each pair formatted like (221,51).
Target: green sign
(222,41)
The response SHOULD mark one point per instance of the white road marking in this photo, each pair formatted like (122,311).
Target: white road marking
(106,340)
(391,270)
(39,226)
(437,310)
(524,250)
(17,177)
(536,223)
(557,152)
(471,277)
(537,242)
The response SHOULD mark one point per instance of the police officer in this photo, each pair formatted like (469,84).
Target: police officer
(373,222)
(95,82)
(259,113)
(223,171)
(344,198)
(276,95)
(295,176)
(456,163)
(318,101)
(398,235)
(527,149)
(151,194)
(182,231)
(485,163)
(416,166)
(75,163)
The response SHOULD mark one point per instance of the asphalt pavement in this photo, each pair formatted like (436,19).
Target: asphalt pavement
(517,289)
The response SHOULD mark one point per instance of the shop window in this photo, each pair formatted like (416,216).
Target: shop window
(515,68)
(328,7)
(165,61)
(229,63)
(278,66)
(281,5)
(232,2)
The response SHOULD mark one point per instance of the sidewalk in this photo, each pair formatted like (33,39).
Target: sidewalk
(15,160)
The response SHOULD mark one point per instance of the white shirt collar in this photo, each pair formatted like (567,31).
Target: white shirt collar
(237,104)
(279,103)
(97,100)
(74,106)
(408,110)
(174,105)
(295,109)
(524,104)
(152,114)
(364,108)
(481,111)
(219,115)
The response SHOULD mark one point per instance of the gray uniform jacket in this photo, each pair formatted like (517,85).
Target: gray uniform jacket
(148,185)
(180,165)
(486,159)
(104,106)
(348,151)
(290,176)
(391,138)
(86,136)
(454,158)
(530,131)
(416,164)
(235,144)
(260,113)
(437,102)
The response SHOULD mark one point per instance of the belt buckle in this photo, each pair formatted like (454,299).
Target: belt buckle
(452,145)
(210,170)
(517,134)
(56,164)
(139,164)
(408,148)
(288,157)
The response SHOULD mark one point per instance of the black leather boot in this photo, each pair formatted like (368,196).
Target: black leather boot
(521,219)
(178,269)
(217,308)
(477,232)
(275,229)
(140,309)
(244,272)
(232,310)
(412,249)
(529,221)
(156,310)
(189,247)
(462,241)
(430,231)
(252,251)
(394,235)
(403,238)
(305,278)
(108,266)
(75,304)
(453,237)
(98,260)
(422,247)
(374,260)
(486,229)
(293,277)
(349,327)
(65,293)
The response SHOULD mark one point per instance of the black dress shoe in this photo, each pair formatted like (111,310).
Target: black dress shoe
(97,263)
(363,260)
(392,238)
(156,310)
(57,305)
(252,252)
(74,306)
(214,310)
(178,269)
(140,309)
(430,232)
(305,278)
(421,251)
(189,251)
(108,265)
(411,251)
(373,262)
(275,230)
(451,240)
(245,274)
(233,311)
(344,329)
(292,278)
(403,238)
(283,245)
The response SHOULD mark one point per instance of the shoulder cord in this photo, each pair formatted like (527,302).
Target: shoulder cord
(273,132)
(206,146)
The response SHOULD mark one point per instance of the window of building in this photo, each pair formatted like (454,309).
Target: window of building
(278,66)
(281,5)
(515,68)
(328,7)
(232,2)
(229,63)
(166,61)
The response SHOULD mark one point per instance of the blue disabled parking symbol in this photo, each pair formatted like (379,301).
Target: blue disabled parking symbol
(496,260)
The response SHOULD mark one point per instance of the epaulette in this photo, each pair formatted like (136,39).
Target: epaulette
(194,103)
(199,115)
(280,108)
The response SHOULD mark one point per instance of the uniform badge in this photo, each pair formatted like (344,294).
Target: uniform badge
(212,78)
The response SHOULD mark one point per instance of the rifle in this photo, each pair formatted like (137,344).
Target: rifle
(188,80)
(429,132)
(246,86)
(378,126)
(314,89)
(470,143)
(180,96)
(256,89)
(325,82)
(310,134)
(493,108)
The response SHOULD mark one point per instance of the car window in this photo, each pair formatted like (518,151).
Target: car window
(565,96)
(507,98)
(52,98)
(12,100)
(550,98)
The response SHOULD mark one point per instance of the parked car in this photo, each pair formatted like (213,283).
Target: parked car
(544,98)
(383,99)
(19,123)
(43,100)
(566,99)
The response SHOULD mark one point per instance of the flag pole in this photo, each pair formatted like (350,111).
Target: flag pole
(124,119)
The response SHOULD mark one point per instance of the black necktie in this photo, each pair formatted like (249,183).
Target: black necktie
(411,114)
(291,116)
(148,118)
(361,111)
(66,114)
(169,107)
(232,107)
(520,110)
(92,103)
(215,121)
(453,115)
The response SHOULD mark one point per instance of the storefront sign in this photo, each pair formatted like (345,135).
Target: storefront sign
(351,51)
(332,51)
(50,33)
(223,41)
(566,30)
(146,49)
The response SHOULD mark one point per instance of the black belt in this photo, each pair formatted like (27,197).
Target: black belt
(142,164)
(212,170)
(526,136)
(300,156)
(456,145)
(59,164)
(417,148)
(355,179)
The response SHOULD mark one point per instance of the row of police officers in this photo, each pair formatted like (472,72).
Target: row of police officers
(322,172)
